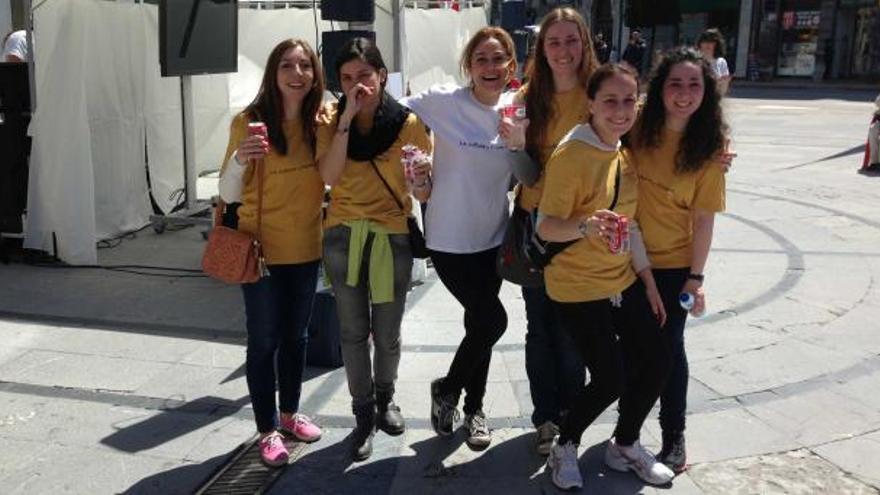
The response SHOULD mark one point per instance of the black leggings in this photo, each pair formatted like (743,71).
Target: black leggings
(610,338)
(472,280)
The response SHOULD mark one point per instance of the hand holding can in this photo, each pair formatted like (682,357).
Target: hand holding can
(514,111)
(410,156)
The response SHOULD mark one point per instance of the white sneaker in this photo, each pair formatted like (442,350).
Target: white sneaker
(637,459)
(563,462)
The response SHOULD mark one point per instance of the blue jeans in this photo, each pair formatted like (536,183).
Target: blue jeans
(673,399)
(555,369)
(278,309)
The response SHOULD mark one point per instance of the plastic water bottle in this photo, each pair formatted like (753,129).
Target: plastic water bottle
(687,300)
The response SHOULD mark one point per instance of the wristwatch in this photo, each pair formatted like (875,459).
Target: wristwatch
(583,227)
(696,276)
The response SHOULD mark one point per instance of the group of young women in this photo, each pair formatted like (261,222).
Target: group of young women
(616,315)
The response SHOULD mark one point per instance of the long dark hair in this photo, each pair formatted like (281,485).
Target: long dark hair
(539,92)
(363,49)
(713,35)
(269,107)
(706,130)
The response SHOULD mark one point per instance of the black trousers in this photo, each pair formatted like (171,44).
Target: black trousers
(625,352)
(472,280)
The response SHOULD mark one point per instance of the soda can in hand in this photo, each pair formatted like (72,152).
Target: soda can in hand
(619,242)
(257,129)
(514,111)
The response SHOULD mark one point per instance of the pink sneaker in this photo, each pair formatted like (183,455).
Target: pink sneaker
(301,427)
(272,449)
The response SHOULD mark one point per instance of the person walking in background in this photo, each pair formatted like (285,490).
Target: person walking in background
(466,218)
(276,183)
(711,45)
(634,53)
(367,253)
(556,102)
(604,296)
(603,50)
(679,147)
(871,163)
(15,46)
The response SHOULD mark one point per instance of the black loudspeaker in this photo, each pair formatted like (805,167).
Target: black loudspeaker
(513,15)
(348,10)
(331,43)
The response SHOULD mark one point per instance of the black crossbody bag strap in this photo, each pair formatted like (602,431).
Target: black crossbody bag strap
(553,248)
(390,191)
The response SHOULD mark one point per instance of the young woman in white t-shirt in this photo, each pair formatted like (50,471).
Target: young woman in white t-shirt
(467,215)
(711,45)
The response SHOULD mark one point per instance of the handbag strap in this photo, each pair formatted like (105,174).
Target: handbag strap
(390,191)
(616,186)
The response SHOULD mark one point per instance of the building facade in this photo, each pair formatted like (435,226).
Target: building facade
(766,39)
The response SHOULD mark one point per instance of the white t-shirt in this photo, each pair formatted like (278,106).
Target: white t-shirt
(472,170)
(16,45)
(719,67)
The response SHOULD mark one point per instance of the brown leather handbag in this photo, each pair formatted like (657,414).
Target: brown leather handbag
(233,256)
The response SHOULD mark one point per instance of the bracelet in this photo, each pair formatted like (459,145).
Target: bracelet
(696,276)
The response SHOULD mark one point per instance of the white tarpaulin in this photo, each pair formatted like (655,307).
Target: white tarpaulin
(433,40)
(106,119)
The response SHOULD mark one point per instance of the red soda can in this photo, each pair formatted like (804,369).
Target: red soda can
(514,111)
(257,129)
(619,243)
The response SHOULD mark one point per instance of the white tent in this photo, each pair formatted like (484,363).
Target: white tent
(106,119)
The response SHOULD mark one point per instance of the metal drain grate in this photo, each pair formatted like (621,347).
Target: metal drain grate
(245,473)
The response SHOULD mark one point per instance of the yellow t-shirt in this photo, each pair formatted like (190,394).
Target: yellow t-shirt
(292,196)
(580,180)
(569,109)
(360,194)
(667,201)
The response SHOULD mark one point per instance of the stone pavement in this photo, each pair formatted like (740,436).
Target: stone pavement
(117,382)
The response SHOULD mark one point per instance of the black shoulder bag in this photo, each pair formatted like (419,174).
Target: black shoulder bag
(523,255)
(416,239)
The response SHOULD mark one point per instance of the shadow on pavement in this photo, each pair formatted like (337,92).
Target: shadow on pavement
(510,466)
(173,423)
(180,480)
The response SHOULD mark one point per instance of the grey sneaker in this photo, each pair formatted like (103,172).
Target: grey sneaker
(443,411)
(477,427)
(563,464)
(637,459)
(673,454)
(544,436)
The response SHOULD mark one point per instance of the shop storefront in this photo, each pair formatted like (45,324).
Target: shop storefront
(799,38)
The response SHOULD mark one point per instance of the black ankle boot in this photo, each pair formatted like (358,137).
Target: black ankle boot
(362,436)
(389,418)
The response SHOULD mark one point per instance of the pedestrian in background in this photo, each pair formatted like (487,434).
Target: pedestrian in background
(367,252)
(677,143)
(604,297)
(634,53)
(871,163)
(603,51)
(711,45)
(287,220)
(556,102)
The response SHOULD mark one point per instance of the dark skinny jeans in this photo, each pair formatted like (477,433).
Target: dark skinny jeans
(473,281)
(607,337)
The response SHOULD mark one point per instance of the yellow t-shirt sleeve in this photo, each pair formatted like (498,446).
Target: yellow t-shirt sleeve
(563,189)
(416,133)
(709,190)
(237,132)
(327,123)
